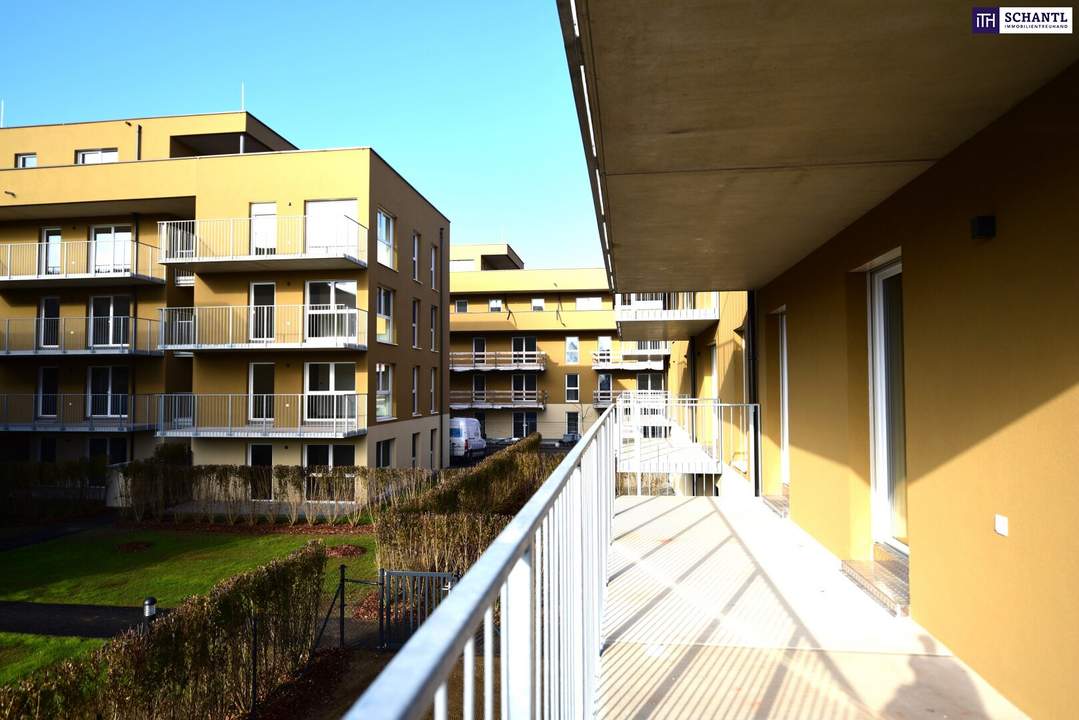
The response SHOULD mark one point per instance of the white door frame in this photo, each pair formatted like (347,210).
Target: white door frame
(880,505)
(784,400)
(40,332)
(251,392)
(254,320)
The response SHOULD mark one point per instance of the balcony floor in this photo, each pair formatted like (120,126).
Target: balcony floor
(717,608)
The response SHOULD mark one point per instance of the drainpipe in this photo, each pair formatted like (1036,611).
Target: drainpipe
(138,141)
(750,364)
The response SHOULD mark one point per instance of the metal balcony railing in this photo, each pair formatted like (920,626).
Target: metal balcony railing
(79,259)
(324,415)
(281,236)
(263,326)
(543,583)
(603,398)
(78,336)
(502,360)
(630,307)
(83,412)
(608,360)
(646,347)
(498,398)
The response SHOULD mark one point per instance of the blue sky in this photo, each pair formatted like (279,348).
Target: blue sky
(470,101)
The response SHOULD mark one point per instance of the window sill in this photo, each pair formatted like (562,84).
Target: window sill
(385,419)
(388,267)
(417,414)
(386,342)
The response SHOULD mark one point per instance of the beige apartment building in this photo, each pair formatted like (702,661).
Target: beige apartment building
(200,279)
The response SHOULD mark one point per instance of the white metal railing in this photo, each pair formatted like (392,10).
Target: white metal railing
(68,259)
(663,434)
(508,398)
(257,415)
(664,306)
(280,236)
(544,579)
(262,326)
(602,398)
(77,411)
(646,347)
(604,359)
(500,360)
(78,335)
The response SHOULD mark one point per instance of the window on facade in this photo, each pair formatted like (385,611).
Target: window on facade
(524,424)
(260,459)
(573,350)
(436,456)
(434,327)
(415,448)
(384,321)
(387,249)
(384,453)
(383,390)
(494,305)
(434,394)
(330,391)
(415,256)
(114,450)
(415,323)
(479,387)
(589,303)
(26,160)
(96,156)
(573,423)
(460,306)
(327,487)
(537,304)
(434,267)
(573,387)
(46,449)
(416,390)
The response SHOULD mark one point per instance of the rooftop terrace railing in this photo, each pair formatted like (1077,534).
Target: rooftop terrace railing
(544,578)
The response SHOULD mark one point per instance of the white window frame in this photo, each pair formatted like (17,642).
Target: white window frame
(83,157)
(384,371)
(39,393)
(110,394)
(381,312)
(434,267)
(308,392)
(126,264)
(538,305)
(251,391)
(494,305)
(386,219)
(48,246)
(415,390)
(112,321)
(261,318)
(415,256)
(250,445)
(575,388)
(435,461)
(434,328)
(415,449)
(415,323)
(574,342)
(586,302)
(40,335)
(576,422)
(434,393)
(21,160)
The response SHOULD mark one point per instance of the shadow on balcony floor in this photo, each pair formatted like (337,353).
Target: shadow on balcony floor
(718,609)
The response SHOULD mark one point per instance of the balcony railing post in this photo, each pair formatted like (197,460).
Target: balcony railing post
(229,411)
(520,632)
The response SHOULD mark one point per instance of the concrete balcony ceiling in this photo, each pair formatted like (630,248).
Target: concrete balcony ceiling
(733,138)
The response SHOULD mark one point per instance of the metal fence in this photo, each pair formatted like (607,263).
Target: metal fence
(498,360)
(251,415)
(78,411)
(62,259)
(270,235)
(260,325)
(498,398)
(547,573)
(89,335)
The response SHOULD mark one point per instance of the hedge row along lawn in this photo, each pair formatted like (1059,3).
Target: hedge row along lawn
(112,566)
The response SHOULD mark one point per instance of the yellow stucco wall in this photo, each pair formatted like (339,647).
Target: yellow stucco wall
(991,395)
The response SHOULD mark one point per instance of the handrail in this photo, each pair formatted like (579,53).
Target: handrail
(263,236)
(263,414)
(95,334)
(499,396)
(89,411)
(556,545)
(262,325)
(497,359)
(79,258)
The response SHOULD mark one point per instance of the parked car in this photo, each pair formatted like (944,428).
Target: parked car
(466,441)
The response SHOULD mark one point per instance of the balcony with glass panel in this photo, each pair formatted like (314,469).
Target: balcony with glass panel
(326,238)
(112,256)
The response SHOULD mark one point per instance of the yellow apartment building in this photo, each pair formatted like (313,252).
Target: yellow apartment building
(200,279)
(903,235)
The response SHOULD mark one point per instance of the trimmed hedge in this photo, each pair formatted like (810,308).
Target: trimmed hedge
(196,660)
(44,491)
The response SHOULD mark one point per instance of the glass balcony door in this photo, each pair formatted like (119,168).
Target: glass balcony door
(50,261)
(48,389)
(264,228)
(331,391)
(261,395)
(262,318)
(111,251)
(524,387)
(109,321)
(108,392)
(331,309)
(524,348)
(48,330)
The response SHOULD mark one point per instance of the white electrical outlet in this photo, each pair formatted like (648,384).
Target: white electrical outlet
(1000,524)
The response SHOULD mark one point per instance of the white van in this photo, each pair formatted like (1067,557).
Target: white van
(465,438)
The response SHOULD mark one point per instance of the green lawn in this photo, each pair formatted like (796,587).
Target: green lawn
(89,568)
(22,654)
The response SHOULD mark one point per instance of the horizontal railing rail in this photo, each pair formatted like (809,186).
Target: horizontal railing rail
(79,259)
(260,325)
(498,397)
(605,397)
(50,336)
(646,347)
(78,411)
(664,306)
(608,358)
(542,582)
(324,414)
(497,359)
(271,235)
